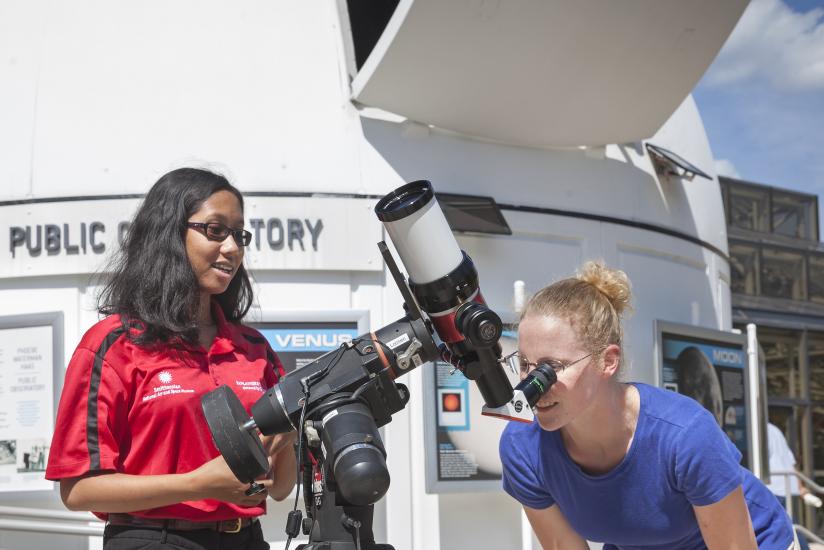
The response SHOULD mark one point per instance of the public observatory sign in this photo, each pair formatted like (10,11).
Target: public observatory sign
(77,236)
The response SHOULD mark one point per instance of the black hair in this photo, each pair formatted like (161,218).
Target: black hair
(152,285)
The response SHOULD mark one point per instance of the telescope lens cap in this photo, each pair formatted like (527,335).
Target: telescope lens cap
(362,475)
(404,201)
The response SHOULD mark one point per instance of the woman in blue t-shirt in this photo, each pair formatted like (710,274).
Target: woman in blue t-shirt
(629,465)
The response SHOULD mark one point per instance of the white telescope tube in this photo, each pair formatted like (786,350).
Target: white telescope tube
(416,224)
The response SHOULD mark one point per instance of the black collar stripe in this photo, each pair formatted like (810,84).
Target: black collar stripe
(255,339)
(270,355)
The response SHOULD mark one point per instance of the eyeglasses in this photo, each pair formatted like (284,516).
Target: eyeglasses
(517,363)
(218,232)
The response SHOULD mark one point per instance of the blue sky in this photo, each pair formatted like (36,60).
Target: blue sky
(762,99)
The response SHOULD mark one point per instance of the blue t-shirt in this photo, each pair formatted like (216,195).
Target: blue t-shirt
(678,458)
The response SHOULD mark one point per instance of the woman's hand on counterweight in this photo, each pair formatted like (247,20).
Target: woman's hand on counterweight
(216,481)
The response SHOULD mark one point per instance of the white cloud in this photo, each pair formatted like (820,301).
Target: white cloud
(773,43)
(724,167)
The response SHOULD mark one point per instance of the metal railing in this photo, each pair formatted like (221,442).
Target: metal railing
(811,486)
(58,522)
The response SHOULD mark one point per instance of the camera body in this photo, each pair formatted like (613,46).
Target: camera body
(364,365)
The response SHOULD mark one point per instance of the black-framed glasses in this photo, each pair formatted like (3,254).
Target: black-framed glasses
(218,232)
(517,363)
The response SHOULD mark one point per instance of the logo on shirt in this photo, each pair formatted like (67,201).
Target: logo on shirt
(166,387)
(252,385)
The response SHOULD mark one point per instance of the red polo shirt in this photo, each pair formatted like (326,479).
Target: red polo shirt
(135,410)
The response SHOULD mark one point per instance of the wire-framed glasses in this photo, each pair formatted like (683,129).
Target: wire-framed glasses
(218,232)
(519,364)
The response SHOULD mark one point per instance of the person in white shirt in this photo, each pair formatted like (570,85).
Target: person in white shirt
(782,459)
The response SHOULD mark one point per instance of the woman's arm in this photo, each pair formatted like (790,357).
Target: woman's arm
(116,492)
(726,524)
(553,530)
(284,464)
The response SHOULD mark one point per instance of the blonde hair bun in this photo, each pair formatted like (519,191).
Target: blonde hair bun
(612,283)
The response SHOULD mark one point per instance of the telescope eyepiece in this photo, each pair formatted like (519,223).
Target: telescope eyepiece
(537,383)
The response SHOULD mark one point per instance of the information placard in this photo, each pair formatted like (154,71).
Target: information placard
(30,374)
(709,366)
(461,443)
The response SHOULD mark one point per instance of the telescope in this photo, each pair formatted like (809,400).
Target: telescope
(338,402)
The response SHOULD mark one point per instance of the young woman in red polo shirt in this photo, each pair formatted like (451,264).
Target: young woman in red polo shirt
(131,443)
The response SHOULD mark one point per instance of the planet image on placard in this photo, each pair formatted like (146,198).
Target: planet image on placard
(451,402)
